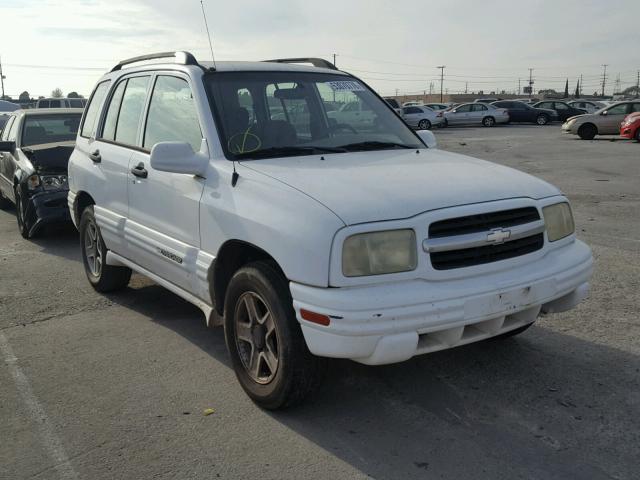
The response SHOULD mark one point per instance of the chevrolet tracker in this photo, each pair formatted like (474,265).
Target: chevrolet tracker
(305,233)
(35,146)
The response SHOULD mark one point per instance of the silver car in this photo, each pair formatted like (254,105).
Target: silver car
(590,106)
(605,121)
(476,114)
(421,117)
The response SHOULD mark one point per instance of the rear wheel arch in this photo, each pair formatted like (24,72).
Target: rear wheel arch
(82,201)
(232,256)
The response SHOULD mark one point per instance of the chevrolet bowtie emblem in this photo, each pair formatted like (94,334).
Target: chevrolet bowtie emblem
(498,235)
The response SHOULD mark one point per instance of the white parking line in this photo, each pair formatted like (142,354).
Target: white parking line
(47,435)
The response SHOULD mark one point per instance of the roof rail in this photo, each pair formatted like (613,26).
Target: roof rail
(182,58)
(316,62)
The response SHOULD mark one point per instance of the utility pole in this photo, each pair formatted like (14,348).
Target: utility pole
(604,77)
(1,79)
(466,87)
(441,67)
(334,59)
(638,85)
(518,87)
(530,82)
(581,89)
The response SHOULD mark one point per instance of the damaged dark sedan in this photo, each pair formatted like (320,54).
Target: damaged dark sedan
(35,147)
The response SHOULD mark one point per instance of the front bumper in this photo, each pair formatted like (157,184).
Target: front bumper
(45,208)
(388,323)
(567,128)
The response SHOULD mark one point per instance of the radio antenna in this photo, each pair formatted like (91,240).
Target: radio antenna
(204,15)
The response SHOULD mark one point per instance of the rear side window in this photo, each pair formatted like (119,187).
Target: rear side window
(109,130)
(172,114)
(128,123)
(91,113)
(76,103)
(7,127)
(479,108)
(54,104)
(43,104)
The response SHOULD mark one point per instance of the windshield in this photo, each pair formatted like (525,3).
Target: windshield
(262,114)
(39,129)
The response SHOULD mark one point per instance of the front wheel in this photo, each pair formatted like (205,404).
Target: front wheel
(638,135)
(587,131)
(21,216)
(424,124)
(265,341)
(102,277)
(542,119)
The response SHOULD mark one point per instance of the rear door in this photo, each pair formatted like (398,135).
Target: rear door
(609,124)
(6,181)
(478,112)
(163,229)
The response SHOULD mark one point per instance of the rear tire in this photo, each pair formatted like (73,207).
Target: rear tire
(102,277)
(542,119)
(587,131)
(488,121)
(424,124)
(264,339)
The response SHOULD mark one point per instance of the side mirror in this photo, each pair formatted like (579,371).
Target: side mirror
(8,147)
(179,157)
(428,138)
(454,110)
(605,113)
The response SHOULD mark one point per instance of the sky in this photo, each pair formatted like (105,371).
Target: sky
(394,45)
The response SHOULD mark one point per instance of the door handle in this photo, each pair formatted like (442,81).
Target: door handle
(140,171)
(95,156)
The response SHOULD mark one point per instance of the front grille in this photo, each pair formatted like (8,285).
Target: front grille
(483,221)
(480,223)
(491,253)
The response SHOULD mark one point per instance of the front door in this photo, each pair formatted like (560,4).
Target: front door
(163,230)
(609,124)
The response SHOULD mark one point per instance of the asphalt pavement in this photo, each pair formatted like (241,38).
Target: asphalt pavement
(115,386)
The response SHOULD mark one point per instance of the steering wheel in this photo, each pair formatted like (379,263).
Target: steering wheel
(342,126)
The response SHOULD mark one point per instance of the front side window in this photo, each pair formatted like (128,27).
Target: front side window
(109,129)
(53,128)
(463,108)
(618,109)
(479,107)
(561,106)
(635,107)
(172,114)
(301,113)
(12,136)
(128,124)
(91,113)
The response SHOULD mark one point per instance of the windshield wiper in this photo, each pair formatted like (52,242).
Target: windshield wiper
(289,151)
(374,145)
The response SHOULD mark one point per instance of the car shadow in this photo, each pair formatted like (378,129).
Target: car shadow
(61,240)
(540,405)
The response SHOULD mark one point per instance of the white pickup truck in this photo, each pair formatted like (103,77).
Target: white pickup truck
(330,239)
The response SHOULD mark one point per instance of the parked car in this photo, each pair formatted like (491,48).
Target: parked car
(521,112)
(3,120)
(605,121)
(563,109)
(371,245)
(590,106)
(34,151)
(412,104)
(394,104)
(438,106)
(61,103)
(476,114)
(630,127)
(485,100)
(528,101)
(422,118)
(354,113)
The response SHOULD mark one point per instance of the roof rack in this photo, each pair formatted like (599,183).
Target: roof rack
(316,62)
(182,58)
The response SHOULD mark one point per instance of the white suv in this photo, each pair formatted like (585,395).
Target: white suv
(305,235)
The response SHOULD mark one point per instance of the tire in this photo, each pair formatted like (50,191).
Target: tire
(102,277)
(424,124)
(588,131)
(5,203)
(284,372)
(488,121)
(22,226)
(638,135)
(513,333)
(542,119)
(445,123)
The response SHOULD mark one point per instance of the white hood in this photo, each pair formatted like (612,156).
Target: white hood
(394,184)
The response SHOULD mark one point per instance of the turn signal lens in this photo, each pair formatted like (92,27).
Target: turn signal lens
(33,182)
(315,317)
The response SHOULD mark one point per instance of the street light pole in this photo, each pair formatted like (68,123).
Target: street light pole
(441,67)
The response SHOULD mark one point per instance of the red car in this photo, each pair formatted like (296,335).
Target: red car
(630,126)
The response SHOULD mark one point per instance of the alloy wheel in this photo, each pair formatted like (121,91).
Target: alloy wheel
(93,249)
(256,335)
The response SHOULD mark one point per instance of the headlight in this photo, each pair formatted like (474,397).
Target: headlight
(54,182)
(558,221)
(376,253)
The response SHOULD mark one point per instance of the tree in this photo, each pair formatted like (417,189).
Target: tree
(57,93)
(74,95)
(566,89)
(577,94)
(24,96)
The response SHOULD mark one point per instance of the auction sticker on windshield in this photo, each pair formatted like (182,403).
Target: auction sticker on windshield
(344,85)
